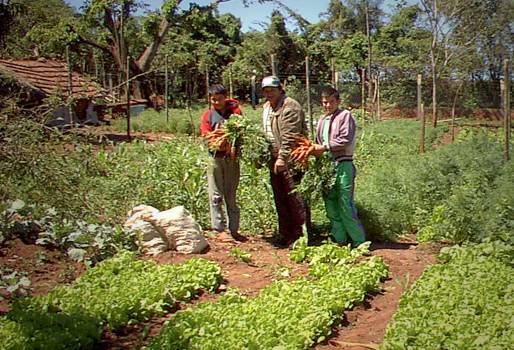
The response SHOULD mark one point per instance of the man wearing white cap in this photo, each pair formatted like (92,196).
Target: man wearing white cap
(283,121)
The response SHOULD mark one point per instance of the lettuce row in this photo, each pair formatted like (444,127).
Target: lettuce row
(466,302)
(116,292)
(285,315)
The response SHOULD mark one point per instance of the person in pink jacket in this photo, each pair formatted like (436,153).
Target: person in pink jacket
(336,134)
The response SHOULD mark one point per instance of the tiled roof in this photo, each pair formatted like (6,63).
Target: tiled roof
(50,76)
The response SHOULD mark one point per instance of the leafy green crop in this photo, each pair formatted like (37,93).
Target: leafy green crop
(285,315)
(327,257)
(12,335)
(82,241)
(99,185)
(14,282)
(467,302)
(318,180)
(240,254)
(442,194)
(116,292)
(248,138)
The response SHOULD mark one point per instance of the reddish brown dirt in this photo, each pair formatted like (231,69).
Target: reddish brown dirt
(45,268)
(364,324)
(363,327)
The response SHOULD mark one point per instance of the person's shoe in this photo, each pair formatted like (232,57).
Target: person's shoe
(291,244)
(238,237)
(225,237)
(284,242)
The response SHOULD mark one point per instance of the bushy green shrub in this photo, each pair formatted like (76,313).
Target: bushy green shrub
(178,121)
(498,213)
(390,139)
(97,185)
(442,194)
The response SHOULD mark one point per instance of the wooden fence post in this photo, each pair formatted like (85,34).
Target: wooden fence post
(378,96)
(454,105)
(166,92)
(230,87)
(128,98)
(308,91)
(111,90)
(103,71)
(273,66)
(188,89)
(252,82)
(506,107)
(421,116)
(333,72)
(363,98)
(207,85)
(70,87)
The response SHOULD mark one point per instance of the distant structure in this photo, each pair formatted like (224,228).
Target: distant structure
(32,80)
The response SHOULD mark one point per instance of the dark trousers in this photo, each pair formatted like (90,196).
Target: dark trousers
(293,213)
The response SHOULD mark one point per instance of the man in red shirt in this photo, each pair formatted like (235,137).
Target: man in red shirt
(223,172)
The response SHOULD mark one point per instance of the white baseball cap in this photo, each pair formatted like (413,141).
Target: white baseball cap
(271,81)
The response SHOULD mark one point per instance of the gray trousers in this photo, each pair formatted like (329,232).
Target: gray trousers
(223,179)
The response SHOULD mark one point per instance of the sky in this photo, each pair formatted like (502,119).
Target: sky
(254,16)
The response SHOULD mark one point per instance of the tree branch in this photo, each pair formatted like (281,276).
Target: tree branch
(145,59)
(92,43)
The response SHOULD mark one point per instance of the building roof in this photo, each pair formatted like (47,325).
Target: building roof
(50,76)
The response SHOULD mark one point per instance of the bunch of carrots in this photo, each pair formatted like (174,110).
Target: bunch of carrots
(218,140)
(302,150)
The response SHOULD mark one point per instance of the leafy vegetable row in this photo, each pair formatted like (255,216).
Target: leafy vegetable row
(116,292)
(285,315)
(465,303)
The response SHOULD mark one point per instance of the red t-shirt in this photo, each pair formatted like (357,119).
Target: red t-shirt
(211,118)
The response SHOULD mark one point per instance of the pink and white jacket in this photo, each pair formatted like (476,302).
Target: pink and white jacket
(342,135)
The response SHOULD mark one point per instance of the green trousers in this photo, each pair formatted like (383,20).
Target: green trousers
(341,209)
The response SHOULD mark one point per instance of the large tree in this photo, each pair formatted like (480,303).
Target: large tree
(201,47)
(495,43)
(104,26)
(455,26)
(280,44)
(339,20)
(401,48)
(30,27)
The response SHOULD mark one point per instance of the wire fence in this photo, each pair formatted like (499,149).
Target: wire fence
(386,93)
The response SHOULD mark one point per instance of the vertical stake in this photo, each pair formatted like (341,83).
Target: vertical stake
(273,66)
(166,92)
(308,91)
(333,72)
(252,82)
(207,85)
(70,87)
(363,98)
(230,87)
(506,108)
(127,87)
(421,116)
(111,92)
(378,96)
